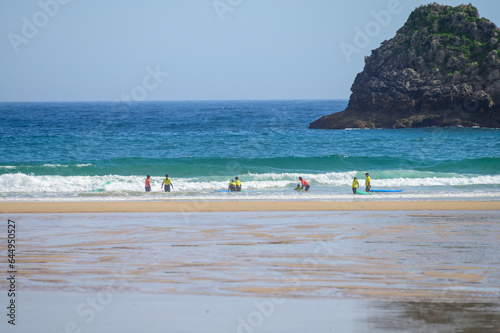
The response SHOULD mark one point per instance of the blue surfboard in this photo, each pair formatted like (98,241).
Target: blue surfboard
(227,191)
(386,190)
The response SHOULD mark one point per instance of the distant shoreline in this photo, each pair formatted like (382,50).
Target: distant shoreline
(239,206)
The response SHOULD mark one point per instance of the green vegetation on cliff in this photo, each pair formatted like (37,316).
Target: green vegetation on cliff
(442,68)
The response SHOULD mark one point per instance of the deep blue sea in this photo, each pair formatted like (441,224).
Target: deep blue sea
(104,150)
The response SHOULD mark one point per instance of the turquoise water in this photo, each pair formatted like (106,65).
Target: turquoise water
(103,151)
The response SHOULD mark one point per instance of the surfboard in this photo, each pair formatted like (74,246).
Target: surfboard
(386,190)
(100,188)
(227,191)
(361,192)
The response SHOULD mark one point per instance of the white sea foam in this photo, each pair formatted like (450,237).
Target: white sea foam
(55,165)
(438,195)
(46,165)
(327,186)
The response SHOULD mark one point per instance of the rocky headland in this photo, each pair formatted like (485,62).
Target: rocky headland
(441,69)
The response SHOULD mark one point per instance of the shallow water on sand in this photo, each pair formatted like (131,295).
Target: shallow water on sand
(257,272)
(384,255)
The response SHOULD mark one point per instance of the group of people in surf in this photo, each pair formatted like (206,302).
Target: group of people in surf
(235,184)
(166,184)
(368,184)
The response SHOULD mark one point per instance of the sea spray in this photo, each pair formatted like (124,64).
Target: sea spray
(22,185)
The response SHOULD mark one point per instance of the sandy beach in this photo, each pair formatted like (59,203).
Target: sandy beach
(255,266)
(240,206)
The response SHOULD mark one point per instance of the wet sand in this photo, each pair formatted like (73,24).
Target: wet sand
(241,206)
(349,271)
(135,312)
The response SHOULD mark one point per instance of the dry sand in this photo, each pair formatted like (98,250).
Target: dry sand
(240,206)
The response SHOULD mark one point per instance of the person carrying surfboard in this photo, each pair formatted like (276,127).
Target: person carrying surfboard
(238,184)
(232,186)
(168,183)
(148,184)
(305,184)
(368,182)
(355,185)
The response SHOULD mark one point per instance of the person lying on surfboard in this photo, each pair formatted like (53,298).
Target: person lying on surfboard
(298,188)
(305,184)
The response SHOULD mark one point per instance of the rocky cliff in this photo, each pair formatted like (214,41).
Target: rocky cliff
(441,69)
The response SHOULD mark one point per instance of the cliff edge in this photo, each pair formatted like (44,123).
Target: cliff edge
(441,69)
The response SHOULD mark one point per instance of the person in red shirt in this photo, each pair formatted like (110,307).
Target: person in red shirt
(305,184)
(148,184)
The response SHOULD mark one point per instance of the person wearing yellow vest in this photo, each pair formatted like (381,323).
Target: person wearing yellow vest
(368,182)
(167,182)
(238,185)
(355,185)
(232,186)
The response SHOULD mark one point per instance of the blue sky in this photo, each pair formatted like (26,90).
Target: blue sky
(100,50)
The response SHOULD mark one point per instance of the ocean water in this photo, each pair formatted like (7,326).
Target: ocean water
(103,151)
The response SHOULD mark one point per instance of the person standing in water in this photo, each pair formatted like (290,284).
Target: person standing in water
(305,184)
(168,183)
(238,185)
(232,186)
(368,182)
(355,185)
(148,184)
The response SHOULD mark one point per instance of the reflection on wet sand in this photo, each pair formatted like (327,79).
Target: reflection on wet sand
(439,268)
(439,317)
(387,255)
